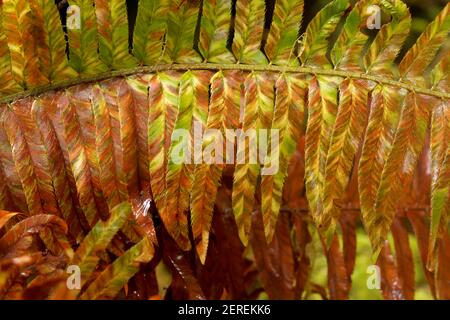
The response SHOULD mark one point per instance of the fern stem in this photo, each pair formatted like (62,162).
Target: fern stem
(210,66)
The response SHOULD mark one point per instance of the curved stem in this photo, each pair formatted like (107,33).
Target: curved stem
(211,66)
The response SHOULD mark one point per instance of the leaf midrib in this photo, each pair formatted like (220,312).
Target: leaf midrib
(212,66)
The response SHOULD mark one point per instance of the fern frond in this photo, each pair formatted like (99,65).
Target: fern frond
(163,93)
(117,274)
(440,161)
(51,45)
(418,58)
(346,52)
(104,149)
(282,38)
(378,139)
(288,119)
(5,216)
(322,106)
(352,112)
(7,83)
(164,100)
(30,225)
(22,159)
(406,146)
(18,27)
(119,102)
(214,29)
(139,104)
(346,136)
(181,25)
(313,46)
(322,111)
(81,98)
(192,116)
(112,26)
(223,115)
(248,31)
(78,159)
(98,240)
(258,114)
(150,29)
(118,128)
(380,56)
(38,155)
(83,38)
(52,159)
(107,157)
(10,174)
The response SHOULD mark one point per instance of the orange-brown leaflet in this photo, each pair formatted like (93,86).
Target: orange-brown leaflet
(348,226)
(258,114)
(40,286)
(7,83)
(62,188)
(80,98)
(51,106)
(78,159)
(421,230)
(160,144)
(192,112)
(104,149)
(50,241)
(49,173)
(32,224)
(347,134)
(288,120)
(140,107)
(379,136)
(39,34)
(322,109)
(390,282)
(443,271)
(19,28)
(5,216)
(338,282)
(438,278)
(404,258)
(294,192)
(182,269)
(23,162)
(401,161)
(230,246)
(6,202)
(301,240)
(38,153)
(103,14)
(223,114)
(275,261)
(119,102)
(349,219)
(10,173)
